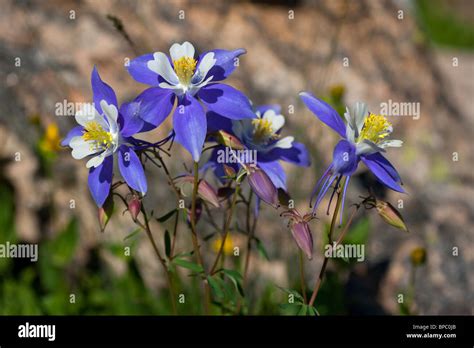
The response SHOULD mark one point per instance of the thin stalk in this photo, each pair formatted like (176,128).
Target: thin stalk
(226,228)
(194,235)
(147,229)
(317,284)
(302,278)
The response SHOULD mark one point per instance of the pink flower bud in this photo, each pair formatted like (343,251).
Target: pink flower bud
(263,187)
(105,212)
(302,235)
(228,140)
(205,191)
(134,207)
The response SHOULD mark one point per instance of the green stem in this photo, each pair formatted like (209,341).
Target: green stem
(226,228)
(302,278)
(194,234)
(147,229)
(319,280)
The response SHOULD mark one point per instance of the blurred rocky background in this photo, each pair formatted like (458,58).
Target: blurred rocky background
(345,51)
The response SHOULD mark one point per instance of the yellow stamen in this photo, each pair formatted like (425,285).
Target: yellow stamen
(375,129)
(184,68)
(262,130)
(95,132)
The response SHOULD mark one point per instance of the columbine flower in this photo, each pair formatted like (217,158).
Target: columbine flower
(364,138)
(261,136)
(103,131)
(187,79)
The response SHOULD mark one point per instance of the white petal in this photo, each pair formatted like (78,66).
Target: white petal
(97,160)
(366,147)
(178,89)
(111,112)
(206,63)
(88,114)
(350,126)
(350,133)
(391,143)
(161,65)
(194,88)
(284,143)
(82,148)
(277,121)
(360,113)
(177,51)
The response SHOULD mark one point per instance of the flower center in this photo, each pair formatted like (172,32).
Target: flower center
(95,132)
(262,130)
(375,129)
(184,68)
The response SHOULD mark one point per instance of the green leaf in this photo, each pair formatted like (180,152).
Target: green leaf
(167,244)
(189,265)
(215,287)
(134,233)
(236,278)
(295,293)
(261,249)
(303,310)
(312,311)
(291,308)
(166,216)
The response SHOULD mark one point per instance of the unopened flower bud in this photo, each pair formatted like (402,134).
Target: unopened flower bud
(205,191)
(390,215)
(228,140)
(302,235)
(229,171)
(418,256)
(134,207)
(105,212)
(263,187)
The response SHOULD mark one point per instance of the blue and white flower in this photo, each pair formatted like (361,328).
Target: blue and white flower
(104,131)
(192,83)
(262,135)
(364,138)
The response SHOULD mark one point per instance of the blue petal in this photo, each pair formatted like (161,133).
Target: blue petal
(147,111)
(264,108)
(216,122)
(130,121)
(190,126)
(324,112)
(131,169)
(100,179)
(385,164)
(76,131)
(384,171)
(101,91)
(225,63)
(138,69)
(226,101)
(276,173)
(297,154)
(345,160)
